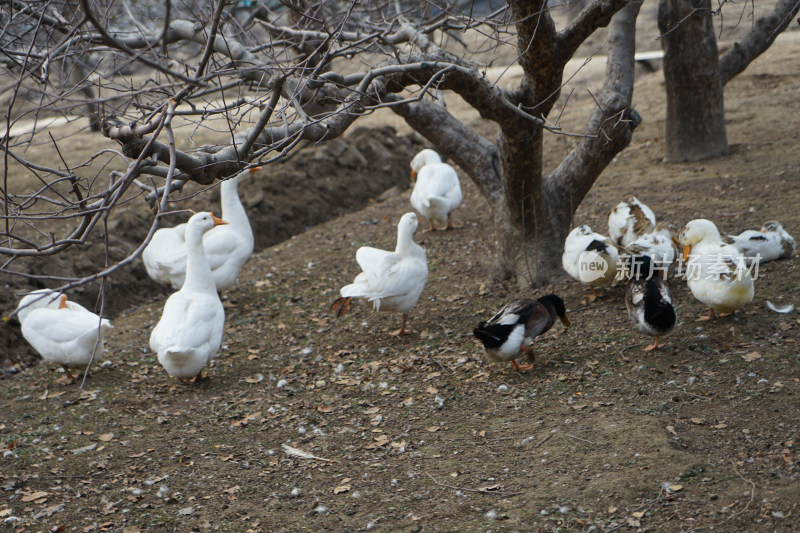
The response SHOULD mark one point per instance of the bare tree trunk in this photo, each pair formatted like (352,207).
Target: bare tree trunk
(535,217)
(695,105)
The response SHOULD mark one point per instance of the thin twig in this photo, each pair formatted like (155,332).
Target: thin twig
(480,491)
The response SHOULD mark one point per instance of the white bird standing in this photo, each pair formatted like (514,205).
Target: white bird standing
(629,220)
(590,258)
(392,281)
(716,273)
(771,243)
(226,247)
(437,190)
(189,334)
(63,332)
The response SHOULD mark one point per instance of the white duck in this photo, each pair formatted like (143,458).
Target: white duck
(392,281)
(629,220)
(227,247)
(437,190)
(590,258)
(189,333)
(659,246)
(716,272)
(63,332)
(771,243)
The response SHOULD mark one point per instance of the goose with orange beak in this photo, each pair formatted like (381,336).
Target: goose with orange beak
(227,247)
(716,272)
(63,332)
(189,334)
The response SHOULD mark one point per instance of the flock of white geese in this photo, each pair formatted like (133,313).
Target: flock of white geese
(203,257)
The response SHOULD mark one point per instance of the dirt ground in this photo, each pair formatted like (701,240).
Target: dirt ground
(308,422)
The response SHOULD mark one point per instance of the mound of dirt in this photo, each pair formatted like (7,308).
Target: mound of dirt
(315,184)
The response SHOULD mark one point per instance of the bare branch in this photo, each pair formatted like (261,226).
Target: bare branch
(756,42)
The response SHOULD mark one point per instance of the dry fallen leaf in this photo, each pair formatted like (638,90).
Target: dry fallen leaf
(343,486)
(637,514)
(35,496)
(258,378)
(675,488)
(720,426)
(671,429)
(107,437)
(698,421)
(431,390)
(372,410)
(434,429)
(612,510)
(751,356)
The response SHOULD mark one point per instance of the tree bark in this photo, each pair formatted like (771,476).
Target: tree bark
(695,106)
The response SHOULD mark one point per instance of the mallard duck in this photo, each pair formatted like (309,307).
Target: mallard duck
(62,331)
(629,220)
(226,247)
(392,281)
(189,333)
(648,299)
(716,273)
(510,332)
(771,243)
(659,245)
(590,258)
(437,190)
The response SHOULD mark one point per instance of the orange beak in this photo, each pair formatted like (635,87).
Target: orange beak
(413,176)
(564,320)
(217,221)
(253,169)
(63,304)
(686,251)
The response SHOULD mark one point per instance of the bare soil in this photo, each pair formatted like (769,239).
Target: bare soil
(422,433)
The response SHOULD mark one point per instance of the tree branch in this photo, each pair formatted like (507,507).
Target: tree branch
(596,15)
(612,123)
(767,28)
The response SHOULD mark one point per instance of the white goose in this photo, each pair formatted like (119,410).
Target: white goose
(771,243)
(437,190)
(590,258)
(189,333)
(659,246)
(392,281)
(63,332)
(629,220)
(226,247)
(715,273)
